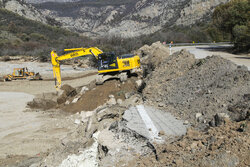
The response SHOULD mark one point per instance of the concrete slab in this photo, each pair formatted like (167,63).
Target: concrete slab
(149,121)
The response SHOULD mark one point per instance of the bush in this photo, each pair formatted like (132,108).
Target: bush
(234,18)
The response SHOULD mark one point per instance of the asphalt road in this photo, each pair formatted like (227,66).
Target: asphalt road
(203,51)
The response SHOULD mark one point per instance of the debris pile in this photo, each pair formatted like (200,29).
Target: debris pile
(195,90)
(226,145)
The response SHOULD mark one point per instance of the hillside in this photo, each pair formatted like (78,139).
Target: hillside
(19,35)
(128,18)
(120,18)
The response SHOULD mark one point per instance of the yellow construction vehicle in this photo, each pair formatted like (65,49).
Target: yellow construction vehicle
(21,74)
(109,64)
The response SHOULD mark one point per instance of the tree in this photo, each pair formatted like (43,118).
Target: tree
(234,18)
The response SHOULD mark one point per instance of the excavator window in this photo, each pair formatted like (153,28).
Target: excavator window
(107,61)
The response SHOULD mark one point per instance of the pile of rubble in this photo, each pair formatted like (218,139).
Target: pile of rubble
(196,90)
(226,145)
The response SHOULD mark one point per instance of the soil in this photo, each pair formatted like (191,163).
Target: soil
(99,95)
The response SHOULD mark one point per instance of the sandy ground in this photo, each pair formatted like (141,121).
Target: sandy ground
(28,133)
(47,85)
(45,69)
(25,134)
(204,51)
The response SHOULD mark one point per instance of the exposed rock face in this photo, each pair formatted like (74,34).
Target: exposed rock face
(24,10)
(123,18)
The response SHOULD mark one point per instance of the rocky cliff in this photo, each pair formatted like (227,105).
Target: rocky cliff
(127,18)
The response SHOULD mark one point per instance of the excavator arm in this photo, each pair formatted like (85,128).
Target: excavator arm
(77,52)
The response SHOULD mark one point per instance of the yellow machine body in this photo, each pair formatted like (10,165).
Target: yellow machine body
(107,62)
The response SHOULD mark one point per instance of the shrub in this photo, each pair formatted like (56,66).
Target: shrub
(234,18)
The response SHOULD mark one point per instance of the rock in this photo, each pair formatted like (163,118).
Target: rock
(119,101)
(161,133)
(111,96)
(128,94)
(209,91)
(113,125)
(197,115)
(185,122)
(139,83)
(111,101)
(77,121)
(107,114)
(220,118)
(75,100)
(86,115)
(161,105)
(83,90)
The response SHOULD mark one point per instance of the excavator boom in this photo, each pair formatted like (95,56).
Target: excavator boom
(78,52)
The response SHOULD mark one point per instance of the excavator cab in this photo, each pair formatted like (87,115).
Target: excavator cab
(107,61)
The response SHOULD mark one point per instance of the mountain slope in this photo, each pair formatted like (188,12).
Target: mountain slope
(128,18)
(120,18)
(21,36)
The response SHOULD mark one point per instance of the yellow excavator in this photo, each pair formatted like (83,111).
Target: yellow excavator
(109,64)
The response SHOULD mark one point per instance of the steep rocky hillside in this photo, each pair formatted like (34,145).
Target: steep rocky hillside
(125,18)
(128,18)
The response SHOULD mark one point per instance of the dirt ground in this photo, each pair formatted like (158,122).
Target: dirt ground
(28,135)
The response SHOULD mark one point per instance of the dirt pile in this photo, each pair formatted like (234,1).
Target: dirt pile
(152,56)
(66,92)
(112,91)
(226,145)
(195,90)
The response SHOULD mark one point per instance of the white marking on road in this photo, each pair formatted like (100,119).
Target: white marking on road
(153,131)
